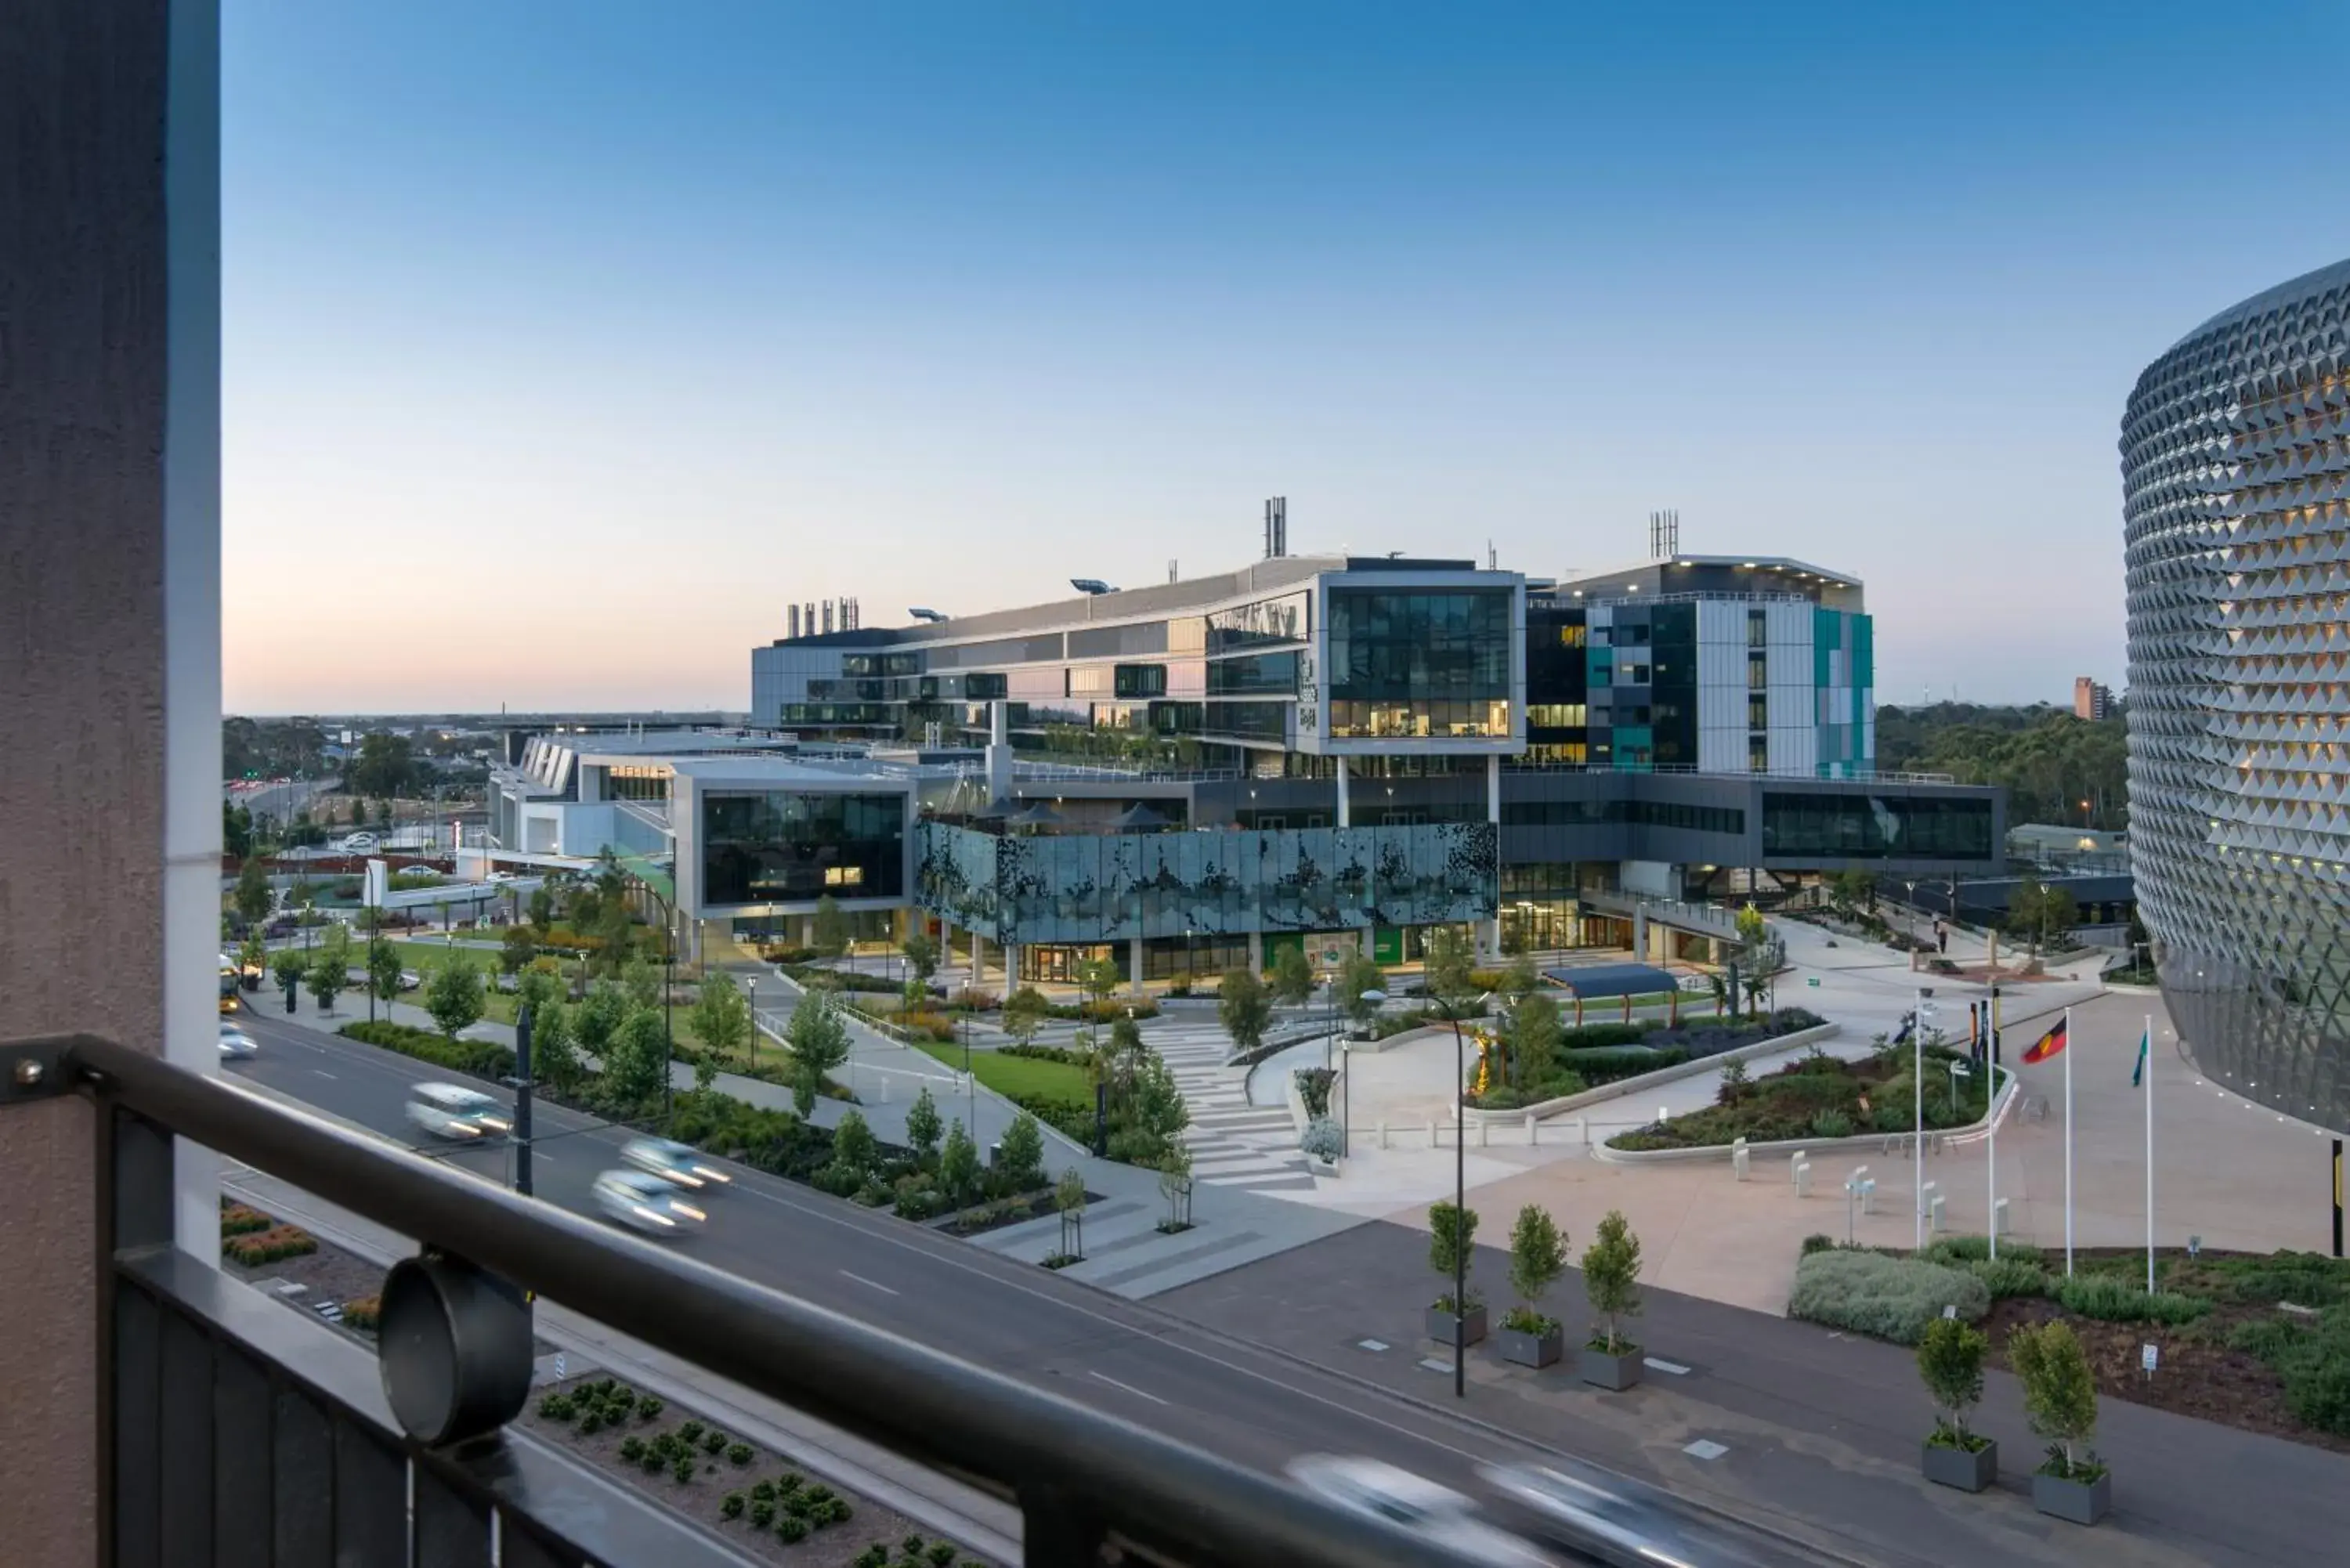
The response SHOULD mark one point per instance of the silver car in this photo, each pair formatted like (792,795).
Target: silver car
(1605,1518)
(643,1201)
(680,1164)
(236,1045)
(1434,1515)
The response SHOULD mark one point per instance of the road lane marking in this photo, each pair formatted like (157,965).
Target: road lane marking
(874,1284)
(322,1072)
(1704,1449)
(1131,1388)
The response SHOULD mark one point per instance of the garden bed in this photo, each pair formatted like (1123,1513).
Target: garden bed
(1823,1097)
(724,1474)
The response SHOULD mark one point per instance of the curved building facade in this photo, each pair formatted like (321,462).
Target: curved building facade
(2236,485)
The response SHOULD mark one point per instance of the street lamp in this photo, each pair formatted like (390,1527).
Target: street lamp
(1460,1196)
(1917,1088)
(1347,1101)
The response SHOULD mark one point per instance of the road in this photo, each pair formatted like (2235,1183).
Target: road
(1253,1404)
(274,800)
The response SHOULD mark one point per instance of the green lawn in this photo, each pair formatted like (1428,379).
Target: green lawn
(1015,1075)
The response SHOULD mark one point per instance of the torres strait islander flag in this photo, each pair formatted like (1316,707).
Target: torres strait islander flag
(2048,1045)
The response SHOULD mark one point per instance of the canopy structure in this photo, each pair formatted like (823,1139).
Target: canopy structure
(1137,817)
(1594,981)
(1037,816)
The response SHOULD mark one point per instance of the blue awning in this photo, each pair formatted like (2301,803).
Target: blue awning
(1598,979)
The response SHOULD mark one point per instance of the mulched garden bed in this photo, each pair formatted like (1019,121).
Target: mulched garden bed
(869,1537)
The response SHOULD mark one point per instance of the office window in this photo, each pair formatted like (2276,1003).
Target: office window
(1758,754)
(1142,680)
(784,847)
(1862,826)
(1758,713)
(1263,673)
(1758,628)
(1758,672)
(1451,644)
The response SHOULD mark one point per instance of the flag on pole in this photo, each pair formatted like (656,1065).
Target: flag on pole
(2137,1071)
(2048,1044)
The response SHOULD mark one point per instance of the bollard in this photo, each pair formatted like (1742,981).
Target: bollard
(1796,1161)
(1934,1214)
(1738,1158)
(1998,1218)
(1435,1138)
(1583,1131)
(1481,1134)
(885,1091)
(1534,1132)
(1383,1134)
(1868,1195)
(1803,1178)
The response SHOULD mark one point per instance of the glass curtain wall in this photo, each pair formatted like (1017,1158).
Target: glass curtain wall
(786,847)
(1418,664)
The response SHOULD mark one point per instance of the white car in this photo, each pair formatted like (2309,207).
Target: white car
(643,1201)
(359,841)
(679,1164)
(459,1114)
(1436,1516)
(1599,1517)
(235,1045)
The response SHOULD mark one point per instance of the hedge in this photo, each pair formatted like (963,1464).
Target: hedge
(482,1058)
(1886,1298)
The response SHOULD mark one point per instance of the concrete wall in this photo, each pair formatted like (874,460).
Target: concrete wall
(109,649)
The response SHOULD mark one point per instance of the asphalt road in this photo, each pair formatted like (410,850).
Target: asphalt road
(1252,1403)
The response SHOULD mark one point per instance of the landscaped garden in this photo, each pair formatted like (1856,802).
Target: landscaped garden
(1532,1058)
(2256,1341)
(1824,1096)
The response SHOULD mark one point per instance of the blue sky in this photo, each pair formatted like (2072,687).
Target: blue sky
(568,342)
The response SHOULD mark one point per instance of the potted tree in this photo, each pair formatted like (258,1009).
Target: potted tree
(1537,1258)
(1451,1243)
(1611,1281)
(2060,1399)
(1951,1360)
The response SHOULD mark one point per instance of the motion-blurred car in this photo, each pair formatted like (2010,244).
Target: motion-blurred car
(1604,1518)
(679,1164)
(235,1045)
(1434,1515)
(459,1114)
(643,1201)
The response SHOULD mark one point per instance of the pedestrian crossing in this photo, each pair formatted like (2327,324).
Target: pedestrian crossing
(1232,1143)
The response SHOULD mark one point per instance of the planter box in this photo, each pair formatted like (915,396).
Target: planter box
(1617,1372)
(1535,1350)
(1440,1327)
(1957,1468)
(2080,1502)
(1328,1168)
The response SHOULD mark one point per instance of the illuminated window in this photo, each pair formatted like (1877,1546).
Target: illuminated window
(844,875)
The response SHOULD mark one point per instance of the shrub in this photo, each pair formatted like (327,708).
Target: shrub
(239,1220)
(365,1312)
(2060,1396)
(691,1431)
(1887,1298)
(1313,1088)
(713,1442)
(1977,1250)
(483,1059)
(681,1469)
(1817,1242)
(632,1449)
(259,1247)
(1613,1065)
(791,1528)
(619,1402)
(648,1407)
(556,1408)
(876,1555)
(1323,1138)
(738,1453)
(2007,1277)
(762,1512)
(765,1492)
(942,1555)
(2110,1300)
(1831,1124)
(731,1506)
(591,1423)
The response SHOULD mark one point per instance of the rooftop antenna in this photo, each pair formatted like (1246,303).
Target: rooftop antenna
(1664,534)
(1276,527)
(1493,557)
(1171,568)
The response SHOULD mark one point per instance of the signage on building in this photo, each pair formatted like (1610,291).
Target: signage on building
(1309,695)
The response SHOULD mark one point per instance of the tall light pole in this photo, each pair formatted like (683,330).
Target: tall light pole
(1917,1148)
(1345,1114)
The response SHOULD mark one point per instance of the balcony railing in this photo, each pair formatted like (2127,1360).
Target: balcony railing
(241,1432)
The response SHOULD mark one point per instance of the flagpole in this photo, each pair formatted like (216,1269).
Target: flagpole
(2068,1143)
(2145,1049)
(1991,1161)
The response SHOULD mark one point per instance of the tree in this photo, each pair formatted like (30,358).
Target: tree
(290,965)
(854,1147)
(383,813)
(383,972)
(1447,964)
(1521,979)
(516,948)
(552,1055)
(641,982)
(721,1016)
(819,1043)
(252,895)
(921,951)
(1175,1186)
(1243,1008)
(331,968)
(1451,1246)
(1150,1115)
(386,765)
(2060,1396)
(600,1017)
(636,1062)
(358,817)
(1537,1258)
(1950,1361)
(1532,1033)
(1611,1276)
(1069,1199)
(1023,1013)
(1293,977)
(830,928)
(542,906)
(1359,975)
(2040,911)
(1096,978)
(252,959)
(923,1127)
(1020,1155)
(237,831)
(453,995)
(958,1165)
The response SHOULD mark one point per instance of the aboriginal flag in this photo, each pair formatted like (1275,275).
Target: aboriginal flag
(2048,1044)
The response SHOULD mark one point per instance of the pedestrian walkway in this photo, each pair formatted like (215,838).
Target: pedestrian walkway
(1232,1143)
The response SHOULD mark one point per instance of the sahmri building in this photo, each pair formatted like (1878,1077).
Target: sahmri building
(2236,485)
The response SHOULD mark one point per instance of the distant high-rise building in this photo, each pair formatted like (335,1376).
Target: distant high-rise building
(2092,699)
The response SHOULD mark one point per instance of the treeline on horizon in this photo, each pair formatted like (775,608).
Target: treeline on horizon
(2050,761)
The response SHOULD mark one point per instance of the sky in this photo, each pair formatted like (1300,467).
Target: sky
(566,342)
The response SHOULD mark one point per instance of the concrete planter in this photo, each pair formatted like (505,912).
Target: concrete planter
(2076,1501)
(1328,1168)
(1440,1327)
(1615,1372)
(1958,1468)
(1535,1350)
(1643,1082)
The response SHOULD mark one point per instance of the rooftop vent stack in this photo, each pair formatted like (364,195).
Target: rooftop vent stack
(827,616)
(1276,527)
(796,620)
(1170,569)
(849,614)
(807,617)
(1664,534)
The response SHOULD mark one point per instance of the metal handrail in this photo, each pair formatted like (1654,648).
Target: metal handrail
(1080,1478)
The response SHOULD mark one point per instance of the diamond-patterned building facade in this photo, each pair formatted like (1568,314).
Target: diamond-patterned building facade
(2236,504)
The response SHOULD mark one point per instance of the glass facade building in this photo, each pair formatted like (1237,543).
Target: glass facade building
(2235,458)
(774,846)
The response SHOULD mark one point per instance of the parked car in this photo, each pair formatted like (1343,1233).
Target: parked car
(643,1201)
(1434,1515)
(679,1164)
